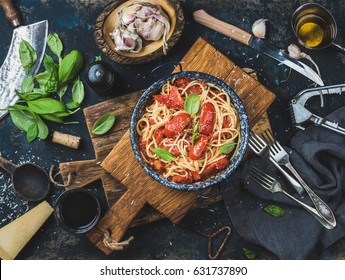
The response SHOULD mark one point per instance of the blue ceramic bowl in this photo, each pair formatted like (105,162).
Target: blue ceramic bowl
(146,99)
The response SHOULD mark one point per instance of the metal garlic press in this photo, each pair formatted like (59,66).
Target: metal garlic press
(301,115)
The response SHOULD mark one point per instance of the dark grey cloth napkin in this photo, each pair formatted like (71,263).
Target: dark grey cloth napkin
(319,156)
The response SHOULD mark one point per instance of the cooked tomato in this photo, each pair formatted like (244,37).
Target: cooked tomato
(197,89)
(159,135)
(195,175)
(226,122)
(172,100)
(142,146)
(182,82)
(198,148)
(218,165)
(158,165)
(174,150)
(176,125)
(207,119)
(182,179)
(152,121)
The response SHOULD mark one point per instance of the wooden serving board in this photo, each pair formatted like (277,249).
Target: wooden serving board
(201,57)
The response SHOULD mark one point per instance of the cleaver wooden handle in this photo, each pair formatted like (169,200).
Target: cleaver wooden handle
(11,13)
(200,16)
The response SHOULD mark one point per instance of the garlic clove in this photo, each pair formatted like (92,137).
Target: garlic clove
(259,28)
(294,51)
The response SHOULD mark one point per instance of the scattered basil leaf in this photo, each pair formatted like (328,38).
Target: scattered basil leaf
(46,106)
(103,124)
(192,103)
(67,113)
(32,132)
(27,84)
(62,90)
(195,132)
(274,210)
(78,92)
(27,55)
(43,130)
(55,45)
(249,254)
(164,154)
(52,118)
(49,64)
(22,119)
(42,78)
(50,86)
(70,67)
(98,58)
(71,105)
(36,93)
(227,148)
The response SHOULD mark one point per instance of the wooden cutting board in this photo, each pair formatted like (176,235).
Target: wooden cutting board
(201,57)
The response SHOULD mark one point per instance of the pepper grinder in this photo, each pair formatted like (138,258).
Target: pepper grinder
(101,77)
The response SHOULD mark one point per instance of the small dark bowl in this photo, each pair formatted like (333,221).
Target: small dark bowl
(146,99)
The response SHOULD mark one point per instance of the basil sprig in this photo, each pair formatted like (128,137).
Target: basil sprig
(227,148)
(164,154)
(274,210)
(37,102)
(192,103)
(103,124)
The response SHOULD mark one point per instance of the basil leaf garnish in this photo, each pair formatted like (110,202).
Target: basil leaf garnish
(103,124)
(227,148)
(27,55)
(249,254)
(192,103)
(164,154)
(274,210)
(195,132)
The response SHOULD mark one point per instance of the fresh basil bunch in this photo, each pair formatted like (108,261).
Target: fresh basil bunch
(37,102)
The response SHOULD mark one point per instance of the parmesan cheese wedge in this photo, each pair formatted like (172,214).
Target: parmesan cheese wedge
(15,235)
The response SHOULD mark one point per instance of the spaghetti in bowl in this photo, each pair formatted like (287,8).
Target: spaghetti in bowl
(189,131)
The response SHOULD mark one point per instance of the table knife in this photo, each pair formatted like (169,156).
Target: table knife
(200,16)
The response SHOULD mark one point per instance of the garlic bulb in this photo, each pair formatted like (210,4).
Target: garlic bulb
(259,28)
(140,20)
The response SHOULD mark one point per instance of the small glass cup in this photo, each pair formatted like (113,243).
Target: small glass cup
(315,27)
(77,210)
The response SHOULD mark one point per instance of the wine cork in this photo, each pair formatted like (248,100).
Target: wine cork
(67,140)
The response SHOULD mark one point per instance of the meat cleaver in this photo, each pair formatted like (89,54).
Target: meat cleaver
(11,71)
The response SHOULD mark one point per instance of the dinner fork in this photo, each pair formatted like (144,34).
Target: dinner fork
(260,147)
(272,185)
(283,158)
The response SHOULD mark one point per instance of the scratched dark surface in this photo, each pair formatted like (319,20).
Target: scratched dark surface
(73,20)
